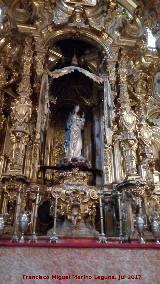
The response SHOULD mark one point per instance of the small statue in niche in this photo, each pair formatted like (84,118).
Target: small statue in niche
(156,89)
(73,139)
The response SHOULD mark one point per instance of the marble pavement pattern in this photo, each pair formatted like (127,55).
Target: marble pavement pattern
(16,262)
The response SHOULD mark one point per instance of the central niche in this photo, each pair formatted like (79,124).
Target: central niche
(73,89)
(65,93)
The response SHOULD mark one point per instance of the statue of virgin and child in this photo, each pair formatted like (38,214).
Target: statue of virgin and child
(73,137)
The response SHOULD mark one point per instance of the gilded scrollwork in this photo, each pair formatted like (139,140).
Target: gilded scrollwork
(77,202)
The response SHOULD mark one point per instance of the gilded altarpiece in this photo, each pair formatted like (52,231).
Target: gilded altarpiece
(88,61)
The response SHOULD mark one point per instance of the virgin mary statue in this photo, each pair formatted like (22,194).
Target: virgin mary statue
(73,139)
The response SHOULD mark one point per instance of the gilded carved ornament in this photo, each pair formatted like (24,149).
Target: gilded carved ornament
(63,8)
(4,74)
(21,108)
(93,15)
(129,119)
(39,57)
(75,204)
(146,134)
(21,111)
(156,86)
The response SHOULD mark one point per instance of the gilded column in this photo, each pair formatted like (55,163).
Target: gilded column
(108,164)
(128,122)
(3,122)
(110,70)
(116,139)
(20,115)
(39,59)
(144,130)
(3,127)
